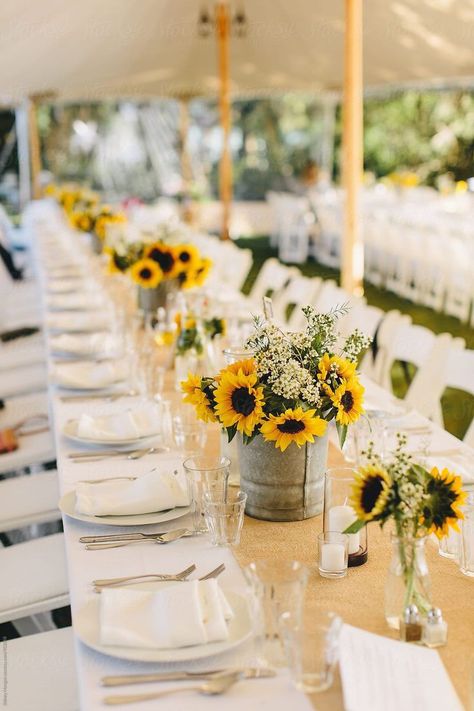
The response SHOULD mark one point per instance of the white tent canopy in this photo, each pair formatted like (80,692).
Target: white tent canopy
(97,49)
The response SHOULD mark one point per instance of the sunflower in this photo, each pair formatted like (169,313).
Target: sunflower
(293,426)
(348,399)
(238,401)
(188,257)
(196,395)
(370,493)
(165,256)
(202,271)
(341,367)
(247,366)
(84,222)
(445,499)
(146,273)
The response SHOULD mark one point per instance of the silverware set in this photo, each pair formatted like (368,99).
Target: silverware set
(106,397)
(101,584)
(98,455)
(120,542)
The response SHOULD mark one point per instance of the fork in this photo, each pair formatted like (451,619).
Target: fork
(104,582)
(111,582)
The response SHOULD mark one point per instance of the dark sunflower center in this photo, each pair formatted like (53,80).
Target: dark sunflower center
(370,493)
(185,257)
(347,401)
(145,273)
(243,402)
(291,426)
(164,259)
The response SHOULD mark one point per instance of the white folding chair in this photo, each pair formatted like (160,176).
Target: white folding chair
(34,579)
(41,672)
(293,243)
(299,291)
(378,368)
(271,278)
(28,500)
(460,375)
(34,448)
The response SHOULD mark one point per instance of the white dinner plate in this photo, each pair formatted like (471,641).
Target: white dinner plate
(67,505)
(70,431)
(87,628)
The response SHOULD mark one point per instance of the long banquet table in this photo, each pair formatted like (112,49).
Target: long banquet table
(358,598)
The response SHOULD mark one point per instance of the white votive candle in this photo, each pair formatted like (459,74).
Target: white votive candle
(340,518)
(332,557)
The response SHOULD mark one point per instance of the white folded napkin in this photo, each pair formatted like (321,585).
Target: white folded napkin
(89,375)
(178,615)
(140,421)
(149,493)
(65,285)
(81,302)
(84,344)
(74,321)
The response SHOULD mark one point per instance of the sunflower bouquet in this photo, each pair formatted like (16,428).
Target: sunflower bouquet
(90,217)
(419,501)
(149,263)
(292,386)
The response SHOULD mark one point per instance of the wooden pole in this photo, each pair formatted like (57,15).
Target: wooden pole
(225,167)
(352,273)
(35,151)
(186,173)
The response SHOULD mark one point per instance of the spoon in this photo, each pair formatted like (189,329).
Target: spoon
(160,539)
(213,687)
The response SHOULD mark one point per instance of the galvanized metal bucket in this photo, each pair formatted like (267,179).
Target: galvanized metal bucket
(151,299)
(96,243)
(283,486)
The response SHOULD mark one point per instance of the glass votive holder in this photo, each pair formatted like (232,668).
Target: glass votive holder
(333,552)
(205,474)
(224,514)
(339,514)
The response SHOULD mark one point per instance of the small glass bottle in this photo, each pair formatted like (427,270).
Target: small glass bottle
(410,625)
(435,631)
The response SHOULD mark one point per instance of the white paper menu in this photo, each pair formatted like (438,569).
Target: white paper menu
(379,673)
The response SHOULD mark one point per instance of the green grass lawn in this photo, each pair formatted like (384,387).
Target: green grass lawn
(458,407)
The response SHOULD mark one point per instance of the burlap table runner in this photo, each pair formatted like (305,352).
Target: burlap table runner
(359,598)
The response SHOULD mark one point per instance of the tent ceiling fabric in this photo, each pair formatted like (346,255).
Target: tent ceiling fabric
(97,49)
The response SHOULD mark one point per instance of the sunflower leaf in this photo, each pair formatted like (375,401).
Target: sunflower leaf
(342,433)
(355,527)
(231,432)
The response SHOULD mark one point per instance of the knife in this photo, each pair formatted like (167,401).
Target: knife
(250,673)
(109,538)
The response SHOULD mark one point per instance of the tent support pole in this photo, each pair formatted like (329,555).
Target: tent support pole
(352,272)
(183,141)
(225,167)
(35,151)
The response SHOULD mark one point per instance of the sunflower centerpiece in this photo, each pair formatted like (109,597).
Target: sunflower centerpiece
(418,502)
(159,266)
(278,403)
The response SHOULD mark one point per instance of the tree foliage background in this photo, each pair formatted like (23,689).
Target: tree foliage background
(134,148)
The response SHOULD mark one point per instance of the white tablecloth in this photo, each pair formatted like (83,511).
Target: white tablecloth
(275,694)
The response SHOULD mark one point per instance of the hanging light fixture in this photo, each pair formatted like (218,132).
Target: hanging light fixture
(206,23)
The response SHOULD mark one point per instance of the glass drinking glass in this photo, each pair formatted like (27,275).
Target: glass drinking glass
(275,587)
(333,548)
(205,474)
(224,516)
(189,433)
(339,514)
(311,650)
(369,430)
(467,539)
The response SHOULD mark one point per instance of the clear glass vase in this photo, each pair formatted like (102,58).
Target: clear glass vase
(408,580)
